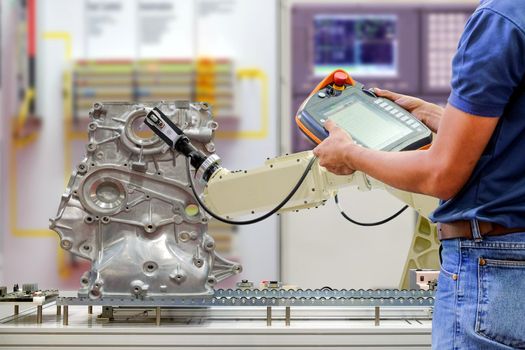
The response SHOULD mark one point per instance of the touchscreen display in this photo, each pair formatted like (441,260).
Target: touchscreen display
(366,126)
(363,45)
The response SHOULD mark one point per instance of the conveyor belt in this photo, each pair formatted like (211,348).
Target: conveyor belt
(272,297)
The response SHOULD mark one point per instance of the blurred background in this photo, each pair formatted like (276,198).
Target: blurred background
(255,61)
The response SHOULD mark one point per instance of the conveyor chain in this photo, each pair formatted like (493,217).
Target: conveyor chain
(273,297)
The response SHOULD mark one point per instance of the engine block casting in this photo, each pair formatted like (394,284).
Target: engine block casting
(128,207)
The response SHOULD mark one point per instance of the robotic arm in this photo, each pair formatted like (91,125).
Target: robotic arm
(285,183)
(258,190)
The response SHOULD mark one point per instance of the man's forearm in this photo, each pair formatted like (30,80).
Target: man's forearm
(441,171)
(412,171)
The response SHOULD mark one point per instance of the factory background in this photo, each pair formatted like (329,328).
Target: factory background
(254,62)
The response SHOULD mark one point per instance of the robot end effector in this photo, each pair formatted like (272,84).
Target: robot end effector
(170,133)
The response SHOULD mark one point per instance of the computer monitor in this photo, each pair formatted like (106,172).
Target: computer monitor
(375,44)
(363,45)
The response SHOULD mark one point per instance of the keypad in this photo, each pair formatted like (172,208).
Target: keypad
(414,124)
(444,31)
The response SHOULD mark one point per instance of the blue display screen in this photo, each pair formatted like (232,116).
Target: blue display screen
(363,45)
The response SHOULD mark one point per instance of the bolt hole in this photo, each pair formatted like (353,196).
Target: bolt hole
(94,294)
(150,266)
(184,236)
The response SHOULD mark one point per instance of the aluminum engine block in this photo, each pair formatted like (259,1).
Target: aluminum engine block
(128,207)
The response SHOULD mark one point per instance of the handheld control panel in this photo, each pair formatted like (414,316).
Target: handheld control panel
(372,121)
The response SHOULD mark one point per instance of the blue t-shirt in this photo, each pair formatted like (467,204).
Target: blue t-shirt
(488,80)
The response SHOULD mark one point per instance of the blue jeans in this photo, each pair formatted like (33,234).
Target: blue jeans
(480,302)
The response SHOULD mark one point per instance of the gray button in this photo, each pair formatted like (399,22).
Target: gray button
(384,104)
(378,101)
(394,110)
(321,94)
(388,108)
(415,125)
(403,118)
(399,115)
(410,122)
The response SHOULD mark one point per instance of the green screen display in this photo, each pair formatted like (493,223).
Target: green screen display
(367,126)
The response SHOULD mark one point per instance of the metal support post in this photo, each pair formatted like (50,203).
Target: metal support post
(66,315)
(268,316)
(377,316)
(287,312)
(39,314)
(157,314)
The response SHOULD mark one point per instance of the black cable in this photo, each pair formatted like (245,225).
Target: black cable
(260,218)
(327,288)
(377,223)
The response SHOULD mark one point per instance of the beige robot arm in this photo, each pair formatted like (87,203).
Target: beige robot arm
(256,191)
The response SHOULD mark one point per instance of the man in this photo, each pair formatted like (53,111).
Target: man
(476,166)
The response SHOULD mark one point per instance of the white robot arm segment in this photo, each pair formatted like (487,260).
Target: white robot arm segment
(259,190)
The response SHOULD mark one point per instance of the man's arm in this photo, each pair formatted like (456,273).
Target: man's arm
(441,171)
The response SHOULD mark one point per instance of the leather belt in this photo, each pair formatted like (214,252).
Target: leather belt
(463,229)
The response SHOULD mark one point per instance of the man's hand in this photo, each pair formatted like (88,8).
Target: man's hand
(333,151)
(429,113)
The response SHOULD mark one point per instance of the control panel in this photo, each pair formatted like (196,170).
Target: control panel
(373,122)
